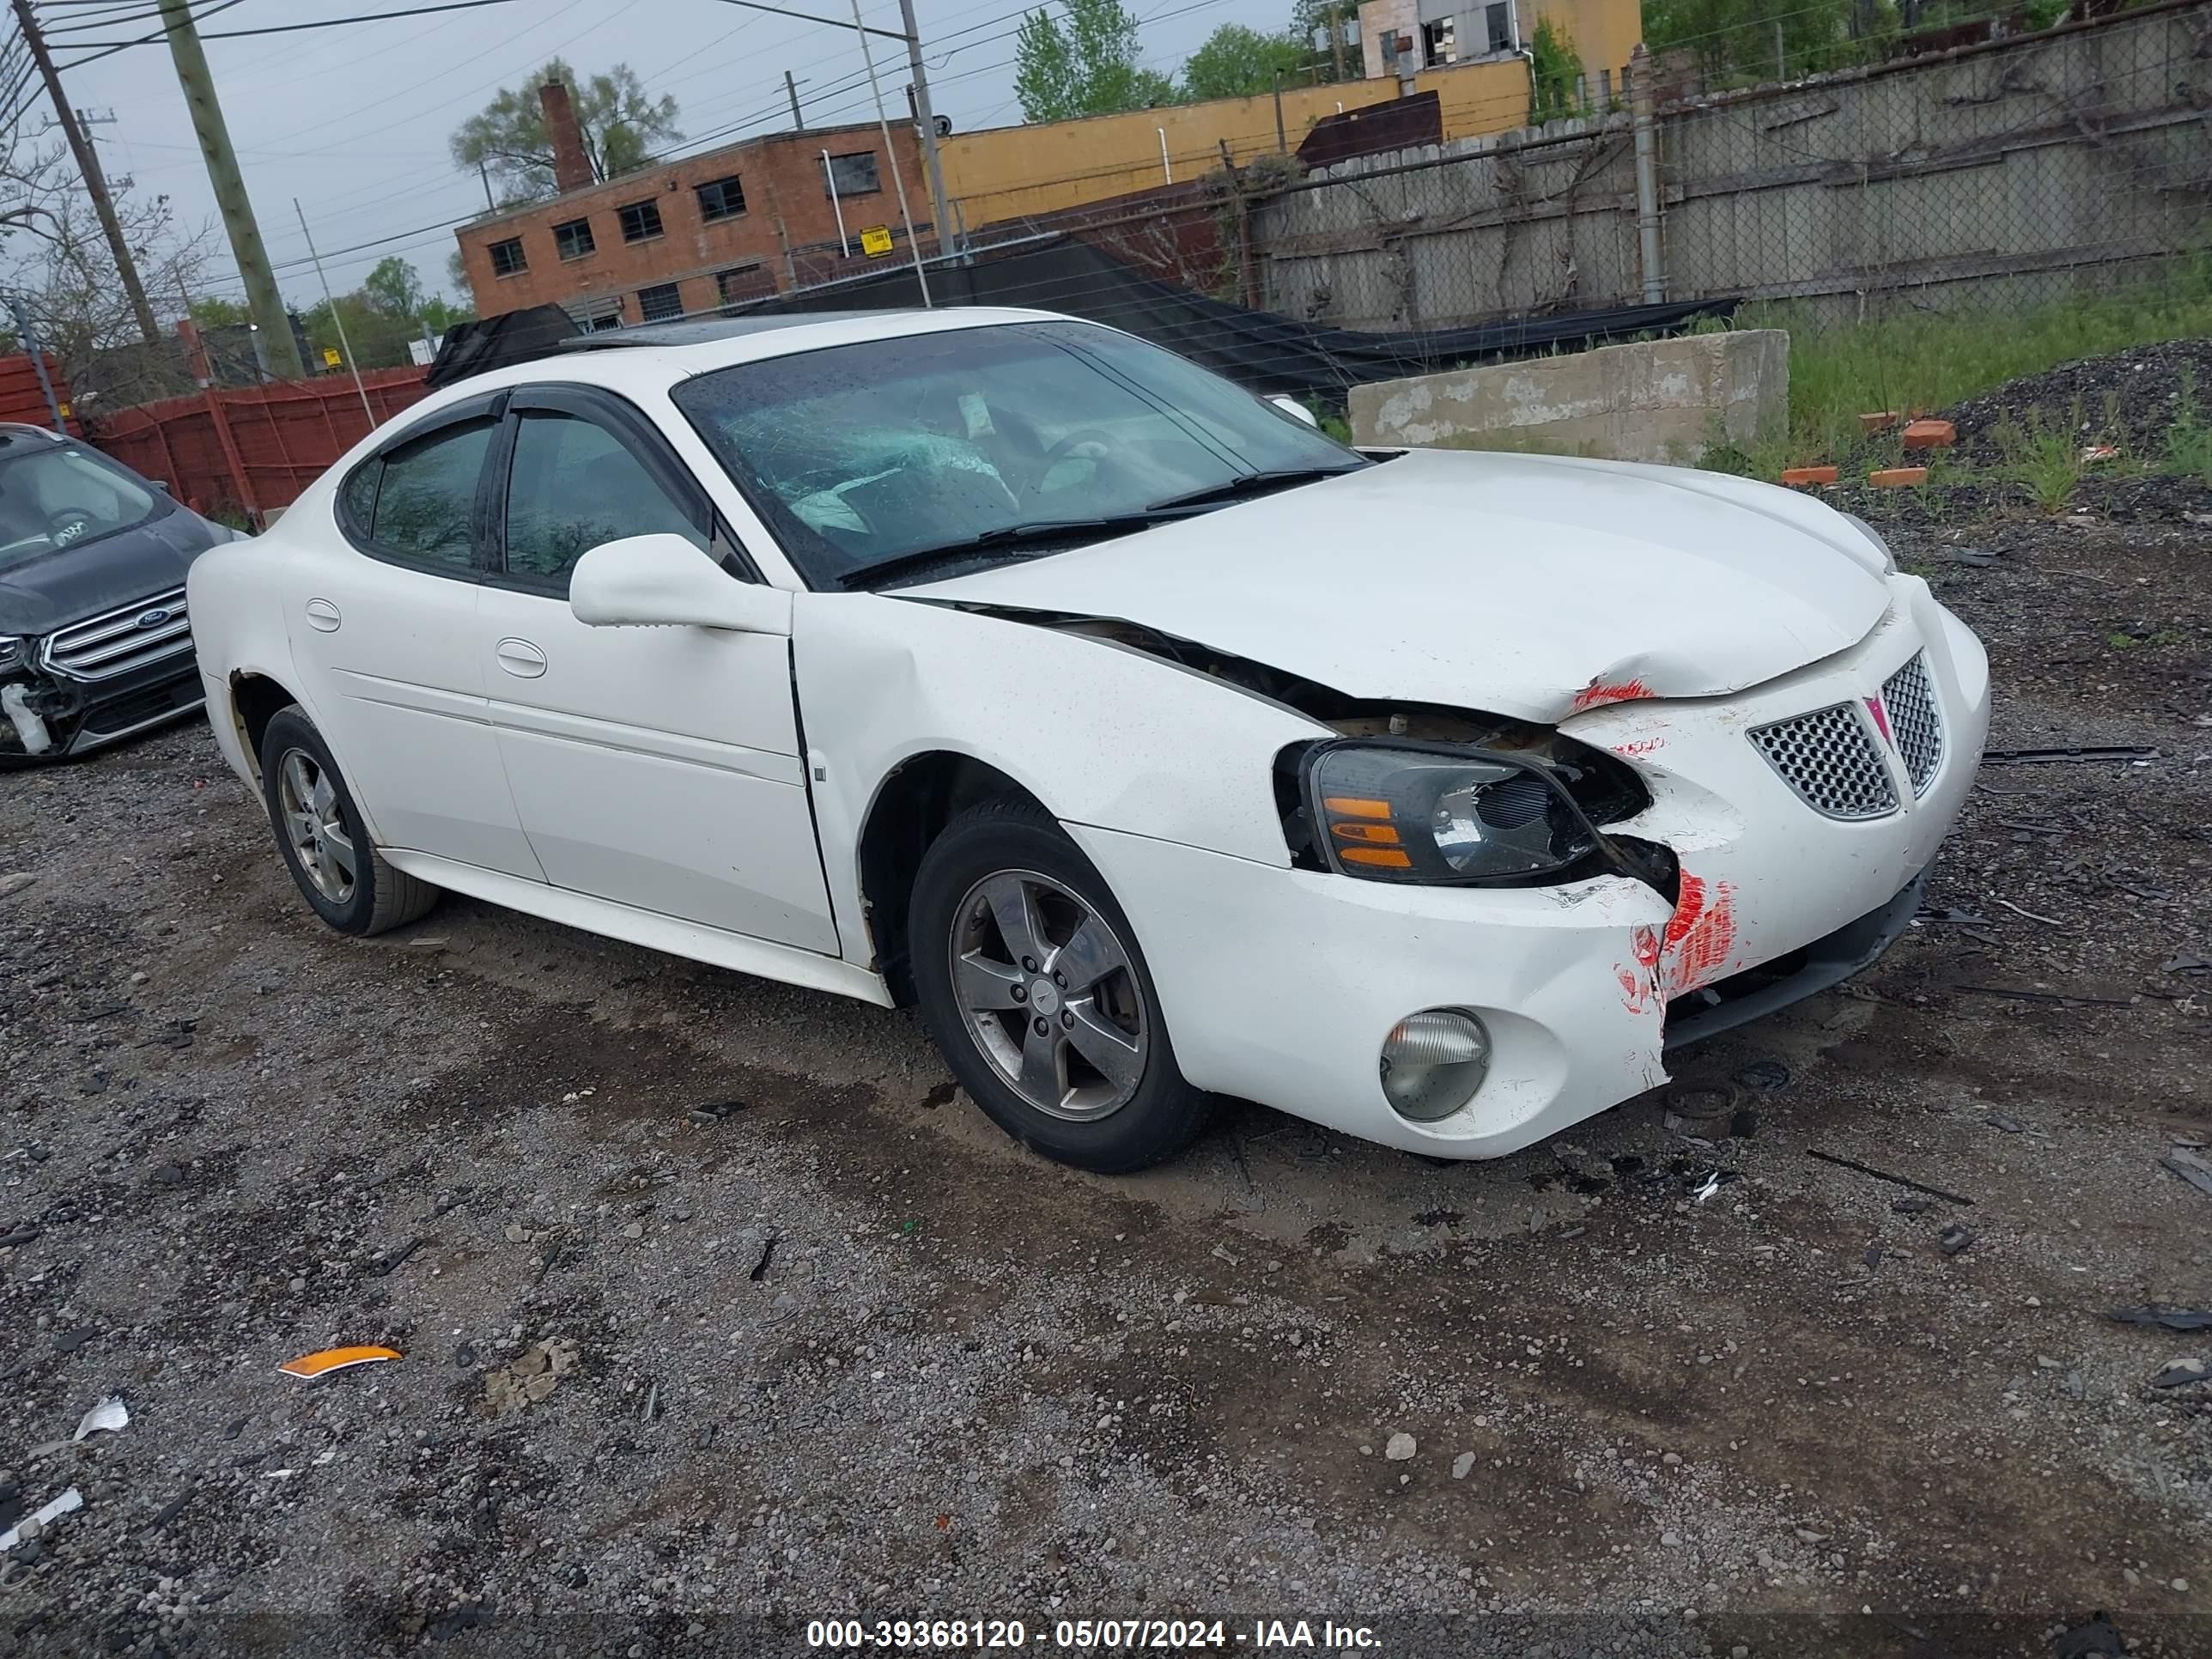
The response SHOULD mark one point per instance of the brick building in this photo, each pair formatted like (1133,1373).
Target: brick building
(689,236)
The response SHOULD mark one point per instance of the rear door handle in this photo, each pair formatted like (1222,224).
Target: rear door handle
(520,659)
(322,615)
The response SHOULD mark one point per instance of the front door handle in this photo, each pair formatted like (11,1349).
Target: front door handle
(520,659)
(322,615)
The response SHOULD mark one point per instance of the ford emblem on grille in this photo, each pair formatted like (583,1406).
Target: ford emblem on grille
(153,618)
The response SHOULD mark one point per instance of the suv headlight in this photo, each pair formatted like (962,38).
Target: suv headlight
(11,651)
(1408,812)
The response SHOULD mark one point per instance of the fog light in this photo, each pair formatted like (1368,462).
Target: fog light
(1433,1063)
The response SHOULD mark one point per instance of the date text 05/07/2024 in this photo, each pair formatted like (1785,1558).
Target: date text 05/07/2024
(1111,1635)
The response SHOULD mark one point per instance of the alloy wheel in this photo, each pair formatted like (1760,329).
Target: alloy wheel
(314,826)
(1048,993)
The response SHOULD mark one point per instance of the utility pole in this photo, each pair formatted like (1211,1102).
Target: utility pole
(28,339)
(280,352)
(925,117)
(925,120)
(87,164)
(490,206)
(798,121)
(1336,37)
(345,344)
(891,149)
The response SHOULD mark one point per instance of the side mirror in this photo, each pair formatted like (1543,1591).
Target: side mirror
(662,580)
(1292,407)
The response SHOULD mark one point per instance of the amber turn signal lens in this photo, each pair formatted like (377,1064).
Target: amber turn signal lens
(1379,832)
(1383,858)
(1355,806)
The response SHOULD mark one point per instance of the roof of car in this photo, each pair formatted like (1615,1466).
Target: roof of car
(701,331)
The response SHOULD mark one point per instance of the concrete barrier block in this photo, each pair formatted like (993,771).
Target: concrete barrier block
(1657,400)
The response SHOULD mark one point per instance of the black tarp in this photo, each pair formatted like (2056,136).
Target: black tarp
(512,336)
(1258,350)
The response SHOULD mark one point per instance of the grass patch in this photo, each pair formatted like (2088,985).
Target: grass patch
(1931,360)
(2045,457)
(2188,440)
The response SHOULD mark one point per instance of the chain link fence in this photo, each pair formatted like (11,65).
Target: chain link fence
(1996,176)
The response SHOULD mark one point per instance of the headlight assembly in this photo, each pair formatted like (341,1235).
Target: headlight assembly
(11,651)
(1406,812)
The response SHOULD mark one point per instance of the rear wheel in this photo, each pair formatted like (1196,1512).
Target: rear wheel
(1034,988)
(324,840)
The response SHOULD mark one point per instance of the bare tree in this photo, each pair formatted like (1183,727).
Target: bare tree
(54,257)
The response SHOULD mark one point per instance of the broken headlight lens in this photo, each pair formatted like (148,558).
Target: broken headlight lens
(1407,813)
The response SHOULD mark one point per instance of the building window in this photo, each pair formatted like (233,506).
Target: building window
(506,258)
(1497,23)
(662,304)
(721,198)
(573,239)
(595,312)
(853,175)
(640,221)
(740,283)
(1437,48)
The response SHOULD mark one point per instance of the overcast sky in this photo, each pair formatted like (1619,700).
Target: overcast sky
(353,120)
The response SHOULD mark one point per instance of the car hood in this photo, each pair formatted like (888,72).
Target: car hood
(1533,586)
(72,583)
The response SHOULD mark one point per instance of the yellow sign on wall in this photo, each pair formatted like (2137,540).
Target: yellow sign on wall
(876,242)
(330,357)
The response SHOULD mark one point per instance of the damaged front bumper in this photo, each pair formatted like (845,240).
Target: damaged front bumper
(49,715)
(1280,985)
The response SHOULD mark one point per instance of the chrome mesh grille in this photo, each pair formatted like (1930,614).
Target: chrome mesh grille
(1829,757)
(1916,721)
(103,647)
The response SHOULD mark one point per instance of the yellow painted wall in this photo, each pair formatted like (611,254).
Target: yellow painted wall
(1604,31)
(1004,173)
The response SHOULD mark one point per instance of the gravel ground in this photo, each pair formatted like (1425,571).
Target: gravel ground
(722,1310)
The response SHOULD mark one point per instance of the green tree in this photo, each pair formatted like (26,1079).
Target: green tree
(620,125)
(439,314)
(215,311)
(1733,42)
(1555,66)
(1237,62)
(393,289)
(1088,66)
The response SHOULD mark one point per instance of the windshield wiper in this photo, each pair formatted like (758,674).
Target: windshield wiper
(1008,540)
(1253,483)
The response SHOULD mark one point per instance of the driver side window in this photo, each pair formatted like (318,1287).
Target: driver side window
(573,485)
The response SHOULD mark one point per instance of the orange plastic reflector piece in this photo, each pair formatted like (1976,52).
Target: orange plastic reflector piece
(1383,858)
(334,1359)
(1382,832)
(1355,806)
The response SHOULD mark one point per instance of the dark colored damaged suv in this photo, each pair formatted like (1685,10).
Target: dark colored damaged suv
(94,641)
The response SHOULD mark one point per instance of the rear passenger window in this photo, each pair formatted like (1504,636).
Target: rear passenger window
(426,498)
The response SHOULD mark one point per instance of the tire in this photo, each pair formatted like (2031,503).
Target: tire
(376,896)
(1006,857)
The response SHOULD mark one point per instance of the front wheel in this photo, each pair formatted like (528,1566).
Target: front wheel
(1035,990)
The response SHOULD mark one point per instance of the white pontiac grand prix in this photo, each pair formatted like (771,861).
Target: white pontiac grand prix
(1156,745)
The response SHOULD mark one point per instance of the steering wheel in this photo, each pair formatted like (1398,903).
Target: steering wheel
(1058,453)
(67,525)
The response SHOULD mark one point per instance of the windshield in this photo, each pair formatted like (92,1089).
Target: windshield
(54,496)
(877,454)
